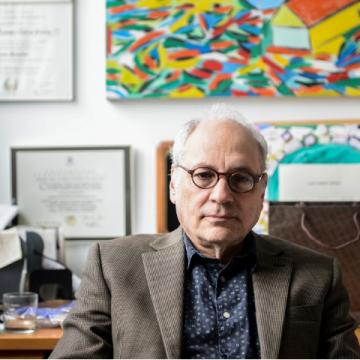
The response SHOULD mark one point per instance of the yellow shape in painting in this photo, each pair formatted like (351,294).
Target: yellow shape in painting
(285,17)
(112,64)
(281,60)
(200,6)
(191,92)
(181,22)
(335,25)
(163,59)
(331,47)
(352,91)
(128,77)
(153,4)
(320,93)
(259,65)
(182,64)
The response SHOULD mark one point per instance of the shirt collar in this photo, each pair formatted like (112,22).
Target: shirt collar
(248,250)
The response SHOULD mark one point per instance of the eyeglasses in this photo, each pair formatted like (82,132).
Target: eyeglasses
(239,181)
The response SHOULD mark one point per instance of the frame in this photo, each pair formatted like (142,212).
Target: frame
(86,191)
(37,50)
(166,214)
(279,146)
(197,49)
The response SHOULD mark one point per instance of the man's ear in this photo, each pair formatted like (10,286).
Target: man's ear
(172,186)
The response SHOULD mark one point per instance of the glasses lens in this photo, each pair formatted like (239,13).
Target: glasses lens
(241,182)
(204,177)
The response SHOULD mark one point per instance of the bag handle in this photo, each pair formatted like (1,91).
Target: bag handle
(319,242)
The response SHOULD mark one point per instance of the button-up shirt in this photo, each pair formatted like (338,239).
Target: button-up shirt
(219,310)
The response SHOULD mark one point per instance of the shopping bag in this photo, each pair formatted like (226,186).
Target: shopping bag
(329,228)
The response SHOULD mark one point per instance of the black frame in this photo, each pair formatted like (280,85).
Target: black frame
(127,178)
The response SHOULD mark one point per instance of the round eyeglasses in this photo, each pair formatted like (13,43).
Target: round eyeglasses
(239,181)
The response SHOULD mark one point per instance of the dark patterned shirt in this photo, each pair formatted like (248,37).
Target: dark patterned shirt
(219,311)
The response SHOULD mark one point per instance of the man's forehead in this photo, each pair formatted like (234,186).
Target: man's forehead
(220,143)
(219,136)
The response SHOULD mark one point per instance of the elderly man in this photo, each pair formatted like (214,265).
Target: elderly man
(212,288)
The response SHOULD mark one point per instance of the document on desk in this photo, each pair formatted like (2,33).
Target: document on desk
(10,247)
(7,213)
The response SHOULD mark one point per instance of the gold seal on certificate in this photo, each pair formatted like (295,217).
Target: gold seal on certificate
(71,220)
(10,85)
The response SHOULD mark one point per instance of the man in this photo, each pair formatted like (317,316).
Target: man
(212,288)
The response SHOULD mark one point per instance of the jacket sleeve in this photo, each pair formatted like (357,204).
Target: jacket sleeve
(87,328)
(338,337)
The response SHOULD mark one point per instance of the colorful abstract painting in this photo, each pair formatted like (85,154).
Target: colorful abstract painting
(201,48)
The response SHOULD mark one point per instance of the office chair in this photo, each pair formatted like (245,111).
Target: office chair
(59,281)
(50,284)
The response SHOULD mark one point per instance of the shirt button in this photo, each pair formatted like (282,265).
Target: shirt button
(226,315)
(222,279)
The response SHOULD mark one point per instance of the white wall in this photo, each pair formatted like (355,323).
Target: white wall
(93,120)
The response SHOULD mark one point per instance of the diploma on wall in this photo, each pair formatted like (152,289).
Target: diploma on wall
(36,50)
(85,191)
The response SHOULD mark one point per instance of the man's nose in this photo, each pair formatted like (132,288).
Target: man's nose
(221,192)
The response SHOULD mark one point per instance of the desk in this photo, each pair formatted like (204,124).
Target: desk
(37,345)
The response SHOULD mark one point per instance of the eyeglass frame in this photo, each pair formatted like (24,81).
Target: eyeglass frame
(227,175)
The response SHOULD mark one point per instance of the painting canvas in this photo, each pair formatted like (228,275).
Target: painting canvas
(202,48)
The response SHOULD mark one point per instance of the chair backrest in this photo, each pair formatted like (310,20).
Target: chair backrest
(34,251)
(10,277)
(51,284)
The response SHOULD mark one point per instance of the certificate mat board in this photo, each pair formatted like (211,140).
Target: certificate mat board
(319,182)
(85,191)
(36,56)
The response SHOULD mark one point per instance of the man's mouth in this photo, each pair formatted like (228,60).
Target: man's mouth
(220,217)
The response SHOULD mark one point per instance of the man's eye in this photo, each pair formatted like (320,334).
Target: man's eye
(204,175)
(239,178)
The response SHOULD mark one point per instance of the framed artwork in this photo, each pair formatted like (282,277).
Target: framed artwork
(325,166)
(321,150)
(196,49)
(37,49)
(85,191)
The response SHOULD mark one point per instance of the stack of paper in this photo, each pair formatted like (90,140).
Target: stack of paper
(7,213)
(10,247)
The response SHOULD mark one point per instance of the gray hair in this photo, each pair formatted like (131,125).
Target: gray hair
(217,112)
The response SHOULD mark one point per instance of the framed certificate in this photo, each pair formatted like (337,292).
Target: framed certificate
(84,190)
(36,56)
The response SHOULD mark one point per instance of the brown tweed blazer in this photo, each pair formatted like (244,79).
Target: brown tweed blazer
(130,303)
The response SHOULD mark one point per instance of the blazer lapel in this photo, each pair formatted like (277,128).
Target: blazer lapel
(271,281)
(164,271)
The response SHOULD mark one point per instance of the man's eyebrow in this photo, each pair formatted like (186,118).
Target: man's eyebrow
(231,170)
(241,168)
